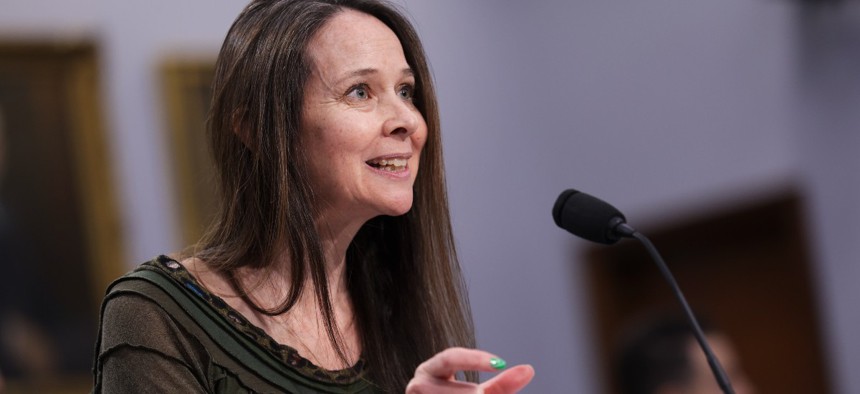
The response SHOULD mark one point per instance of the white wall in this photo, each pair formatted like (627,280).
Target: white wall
(662,107)
(135,37)
(659,106)
(827,143)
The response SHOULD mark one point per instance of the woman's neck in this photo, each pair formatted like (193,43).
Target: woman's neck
(303,326)
(270,285)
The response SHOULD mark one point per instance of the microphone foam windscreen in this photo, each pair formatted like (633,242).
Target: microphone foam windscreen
(585,216)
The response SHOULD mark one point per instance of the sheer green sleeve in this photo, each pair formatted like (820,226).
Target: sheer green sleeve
(143,350)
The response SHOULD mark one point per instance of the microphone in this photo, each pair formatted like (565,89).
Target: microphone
(593,219)
(589,217)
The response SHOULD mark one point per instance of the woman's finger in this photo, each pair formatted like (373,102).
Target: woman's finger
(510,381)
(431,385)
(450,361)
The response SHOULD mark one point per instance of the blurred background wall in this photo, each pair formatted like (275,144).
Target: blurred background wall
(666,108)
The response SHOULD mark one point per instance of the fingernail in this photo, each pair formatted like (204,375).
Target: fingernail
(498,363)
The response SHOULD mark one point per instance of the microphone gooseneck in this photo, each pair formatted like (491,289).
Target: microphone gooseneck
(593,219)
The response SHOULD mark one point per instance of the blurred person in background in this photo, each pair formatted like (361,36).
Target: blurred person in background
(662,356)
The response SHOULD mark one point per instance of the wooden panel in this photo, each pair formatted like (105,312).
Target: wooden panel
(187,92)
(60,228)
(745,269)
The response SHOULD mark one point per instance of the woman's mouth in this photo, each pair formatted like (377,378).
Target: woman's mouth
(390,165)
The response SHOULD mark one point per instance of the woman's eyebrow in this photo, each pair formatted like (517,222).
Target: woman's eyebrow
(407,72)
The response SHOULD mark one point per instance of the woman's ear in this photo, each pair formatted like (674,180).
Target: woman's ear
(242,130)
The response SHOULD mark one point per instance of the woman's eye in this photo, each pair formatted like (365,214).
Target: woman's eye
(406,92)
(358,92)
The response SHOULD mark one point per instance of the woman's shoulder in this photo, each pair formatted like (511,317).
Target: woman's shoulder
(160,309)
(166,274)
(155,297)
(142,302)
(132,314)
(149,342)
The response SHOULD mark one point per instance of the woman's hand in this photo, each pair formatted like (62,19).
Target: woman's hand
(436,375)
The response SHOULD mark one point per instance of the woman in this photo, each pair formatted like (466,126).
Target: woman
(331,267)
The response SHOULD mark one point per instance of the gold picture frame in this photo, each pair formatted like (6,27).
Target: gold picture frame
(60,227)
(186,84)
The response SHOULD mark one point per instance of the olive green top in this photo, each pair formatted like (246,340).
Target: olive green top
(162,332)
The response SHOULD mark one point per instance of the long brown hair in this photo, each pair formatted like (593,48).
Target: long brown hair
(402,272)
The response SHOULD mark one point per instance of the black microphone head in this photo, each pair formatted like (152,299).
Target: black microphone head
(587,217)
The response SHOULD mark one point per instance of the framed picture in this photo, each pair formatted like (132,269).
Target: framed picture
(60,237)
(187,92)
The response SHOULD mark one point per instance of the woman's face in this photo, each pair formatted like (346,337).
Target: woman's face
(361,132)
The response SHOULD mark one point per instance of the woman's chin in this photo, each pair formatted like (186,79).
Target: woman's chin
(397,207)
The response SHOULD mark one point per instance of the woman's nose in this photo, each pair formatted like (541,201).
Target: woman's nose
(402,118)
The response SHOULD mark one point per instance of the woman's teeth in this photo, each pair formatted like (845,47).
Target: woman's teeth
(389,164)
